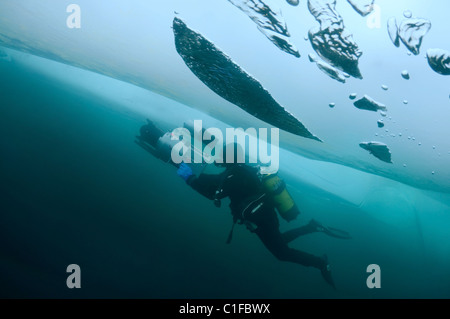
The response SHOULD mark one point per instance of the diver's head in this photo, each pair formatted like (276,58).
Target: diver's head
(232,155)
(150,133)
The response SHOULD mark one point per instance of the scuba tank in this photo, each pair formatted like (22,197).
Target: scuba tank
(275,187)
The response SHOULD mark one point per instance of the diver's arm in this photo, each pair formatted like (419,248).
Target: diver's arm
(205,184)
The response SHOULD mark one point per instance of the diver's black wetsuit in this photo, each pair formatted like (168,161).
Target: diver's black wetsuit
(241,183)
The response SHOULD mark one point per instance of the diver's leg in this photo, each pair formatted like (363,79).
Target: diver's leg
(312,227)
(269,233)
(274,241)
(293,234)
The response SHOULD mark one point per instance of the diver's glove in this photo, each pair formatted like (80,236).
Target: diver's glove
(185,171)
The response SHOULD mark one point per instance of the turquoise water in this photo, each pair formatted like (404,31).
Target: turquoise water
(77,189)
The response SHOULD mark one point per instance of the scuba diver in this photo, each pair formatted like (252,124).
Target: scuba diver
(254,198)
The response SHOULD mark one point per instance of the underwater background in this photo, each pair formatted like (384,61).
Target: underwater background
(76,189)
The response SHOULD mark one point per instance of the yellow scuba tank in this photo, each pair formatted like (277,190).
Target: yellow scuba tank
(275,187)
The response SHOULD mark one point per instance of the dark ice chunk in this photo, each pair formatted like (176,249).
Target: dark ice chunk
(412,32)
(332,42)
(269,22)
(393,31)
(379,150)
(369,104)
(439,61)
(223,76)
(363,7)
(331,71)
(405,75)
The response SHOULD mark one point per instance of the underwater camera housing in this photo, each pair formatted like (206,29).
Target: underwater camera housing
(160,145)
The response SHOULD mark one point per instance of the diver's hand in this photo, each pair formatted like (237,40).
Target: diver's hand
(184,171)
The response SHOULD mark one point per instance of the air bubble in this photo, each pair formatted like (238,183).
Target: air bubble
(332,105)
(407,14)
(385,87)
(353,96)
(405,102)
(412,31)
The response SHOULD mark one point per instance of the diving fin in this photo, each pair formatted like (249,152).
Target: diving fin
(337,233)
(326,272)
(330,231)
